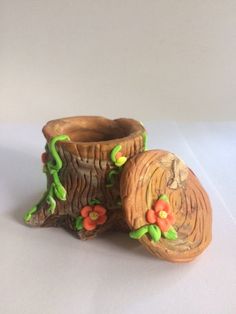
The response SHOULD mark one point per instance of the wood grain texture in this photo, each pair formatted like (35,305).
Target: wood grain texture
(86,164)
(156,172)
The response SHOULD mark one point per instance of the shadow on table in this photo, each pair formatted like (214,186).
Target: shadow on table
(123,242)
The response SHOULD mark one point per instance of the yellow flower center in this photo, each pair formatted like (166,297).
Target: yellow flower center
(93,216)
(163,214)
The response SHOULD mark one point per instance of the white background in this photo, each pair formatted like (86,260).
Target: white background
(147,59)
(155,61)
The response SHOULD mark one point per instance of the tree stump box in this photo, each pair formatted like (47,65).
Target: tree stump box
(100,177)
(87,173)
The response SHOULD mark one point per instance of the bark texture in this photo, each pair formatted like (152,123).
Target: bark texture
(86,164)
(153,173)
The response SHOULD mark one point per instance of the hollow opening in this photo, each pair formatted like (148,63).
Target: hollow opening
(92,129)
(96,134)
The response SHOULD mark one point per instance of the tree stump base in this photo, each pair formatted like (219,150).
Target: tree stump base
(83,161)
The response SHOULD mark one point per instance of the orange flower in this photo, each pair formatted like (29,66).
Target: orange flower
(118,155)
(161,215)
(93,216)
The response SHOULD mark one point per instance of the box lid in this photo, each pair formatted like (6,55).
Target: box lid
(165,206)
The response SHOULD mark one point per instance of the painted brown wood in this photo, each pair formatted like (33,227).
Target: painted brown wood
(86,164)
(156,172)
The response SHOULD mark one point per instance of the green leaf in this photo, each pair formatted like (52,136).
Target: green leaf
(79,223)
(137,234)
(171,234)
(94,201)
(164,198)
(154,232)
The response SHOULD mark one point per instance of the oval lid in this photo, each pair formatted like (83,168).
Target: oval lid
(165,206)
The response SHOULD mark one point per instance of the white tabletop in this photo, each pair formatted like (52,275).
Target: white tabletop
(48,271)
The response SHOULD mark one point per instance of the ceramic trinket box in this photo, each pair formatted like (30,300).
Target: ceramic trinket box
(100,176)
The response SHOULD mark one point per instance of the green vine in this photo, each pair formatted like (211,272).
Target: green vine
(114,151)
(29,213)
(145,140)
(118,162)
(111,177)
(52,167)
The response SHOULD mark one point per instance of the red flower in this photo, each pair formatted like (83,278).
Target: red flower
(161,215)
(93,216)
